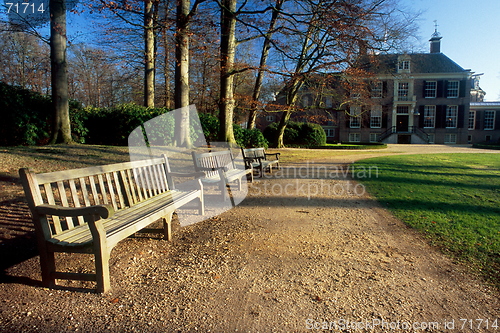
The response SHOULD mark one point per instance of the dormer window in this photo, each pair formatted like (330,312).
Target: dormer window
(404,65)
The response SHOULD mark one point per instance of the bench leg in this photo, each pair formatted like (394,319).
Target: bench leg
(48,265)
(102,271)
(101,254)
(167,227)
(201,209)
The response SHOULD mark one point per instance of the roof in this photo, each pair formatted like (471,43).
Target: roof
(420,63)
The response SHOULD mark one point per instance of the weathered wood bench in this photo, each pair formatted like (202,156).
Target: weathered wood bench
(90,210)
(257,158)
(220,169)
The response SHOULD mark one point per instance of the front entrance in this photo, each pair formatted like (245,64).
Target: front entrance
(402,121)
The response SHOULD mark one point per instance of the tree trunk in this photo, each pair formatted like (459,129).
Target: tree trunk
(149,54)
(182,138)
(263,62)
(61,132)
(292,95)
(227,53)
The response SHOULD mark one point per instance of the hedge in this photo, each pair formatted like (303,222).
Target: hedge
(298,134)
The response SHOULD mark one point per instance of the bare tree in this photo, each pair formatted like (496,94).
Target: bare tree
(332,35)
(61,132)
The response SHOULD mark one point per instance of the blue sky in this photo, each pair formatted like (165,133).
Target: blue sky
(471,35)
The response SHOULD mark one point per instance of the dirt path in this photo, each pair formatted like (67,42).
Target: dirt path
(299,253)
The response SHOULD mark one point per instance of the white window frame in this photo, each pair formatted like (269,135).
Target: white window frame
(330,132)
(429,116)
(451,116)
(450,138)
(374,137)
(430,92)
(355,117)
(377,89)
(270,118)
(354,137)
(403,91)
(404,65)
(453,91)
(472,120)
(376,117)
(489,122)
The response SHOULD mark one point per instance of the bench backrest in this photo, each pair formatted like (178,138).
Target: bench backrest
(210,162)
(120,185)
(253,153)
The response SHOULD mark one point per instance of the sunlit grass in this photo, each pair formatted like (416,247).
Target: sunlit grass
(454,199)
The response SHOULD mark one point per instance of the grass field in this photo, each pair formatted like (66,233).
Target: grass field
(454,199)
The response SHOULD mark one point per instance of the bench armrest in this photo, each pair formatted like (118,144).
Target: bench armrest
(192,174)
(277,155)
(104,211)
(223,168)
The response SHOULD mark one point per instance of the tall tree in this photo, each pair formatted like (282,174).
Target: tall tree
(181,96)
(61,132)
(227,54)
(149,52)
(263,63)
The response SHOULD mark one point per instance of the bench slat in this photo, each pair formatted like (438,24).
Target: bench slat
(118,224)
(76,200)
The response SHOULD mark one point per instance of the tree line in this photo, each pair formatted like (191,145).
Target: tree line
(227,57)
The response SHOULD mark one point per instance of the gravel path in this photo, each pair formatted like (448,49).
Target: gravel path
(300,253)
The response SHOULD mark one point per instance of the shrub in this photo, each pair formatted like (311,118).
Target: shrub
(244,137)
(27,117)
(122,119)
(298,134)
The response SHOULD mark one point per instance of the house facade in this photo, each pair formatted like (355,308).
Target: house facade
(409,98)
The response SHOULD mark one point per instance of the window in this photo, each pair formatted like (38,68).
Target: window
(429,116)
(431,137)
(403,90)
(452,91)
(270,118)
(404,109)
(355,119)
(430,89)
(450,138)
(377,90)
(451,116)
(489,120)
(354,137)
(328,102)
(376,117)
(330,132)
(404,65)
(487,138)
(374,137)
(472,120)
(306,101)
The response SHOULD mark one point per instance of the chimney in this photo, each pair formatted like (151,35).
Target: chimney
(435,40)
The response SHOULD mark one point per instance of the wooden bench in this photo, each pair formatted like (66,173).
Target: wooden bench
(257,158)
(220,169)
(90,210)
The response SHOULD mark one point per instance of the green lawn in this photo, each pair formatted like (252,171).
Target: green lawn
(454,199)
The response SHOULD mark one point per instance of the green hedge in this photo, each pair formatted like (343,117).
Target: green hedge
(27,117)
(244,137)
(367,145)
(298,134)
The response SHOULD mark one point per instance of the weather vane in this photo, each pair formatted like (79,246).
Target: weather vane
(436,33)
